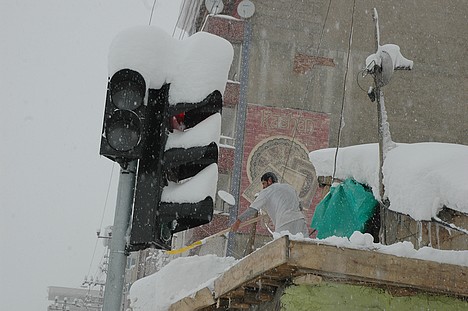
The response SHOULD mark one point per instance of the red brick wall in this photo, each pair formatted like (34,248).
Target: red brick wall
(225,160)
(227,28)
(231,94)
(219,222)
(307,128)
(304,63)
(263,122)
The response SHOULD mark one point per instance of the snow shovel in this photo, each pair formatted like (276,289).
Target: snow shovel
(204,240)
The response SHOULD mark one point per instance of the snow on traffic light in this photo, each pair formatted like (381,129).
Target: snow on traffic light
(177,177)
(177,160)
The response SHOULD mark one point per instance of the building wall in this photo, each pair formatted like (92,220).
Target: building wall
(278,140)
(309,56)
(429,233)
(428,103)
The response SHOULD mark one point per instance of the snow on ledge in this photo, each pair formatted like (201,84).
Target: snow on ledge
(419,178)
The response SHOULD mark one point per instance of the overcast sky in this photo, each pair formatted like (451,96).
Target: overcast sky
(53,71)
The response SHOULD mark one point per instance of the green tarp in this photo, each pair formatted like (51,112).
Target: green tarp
(345,209)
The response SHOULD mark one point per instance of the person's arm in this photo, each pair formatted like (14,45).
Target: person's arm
(249,213)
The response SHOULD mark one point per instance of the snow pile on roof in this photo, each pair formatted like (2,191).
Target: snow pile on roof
(180,278)
(365,241)
(195,66)
(184,276)
(419,179)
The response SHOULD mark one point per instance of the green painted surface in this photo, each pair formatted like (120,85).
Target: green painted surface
(335,297)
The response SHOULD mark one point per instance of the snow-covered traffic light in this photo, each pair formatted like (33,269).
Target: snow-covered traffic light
(123,130)
(178,172)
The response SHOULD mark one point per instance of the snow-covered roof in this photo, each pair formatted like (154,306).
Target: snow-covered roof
(184,276)
(419,178)
(181,277)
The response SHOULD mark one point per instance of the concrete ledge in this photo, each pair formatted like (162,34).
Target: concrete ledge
(283,260)
(202,298)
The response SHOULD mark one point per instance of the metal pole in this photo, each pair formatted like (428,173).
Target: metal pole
(239,136)
(118,257)
(378,93)
(379,96)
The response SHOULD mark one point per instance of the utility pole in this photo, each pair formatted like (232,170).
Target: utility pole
(382,65)
(118,257)
(378,83)
(380,110)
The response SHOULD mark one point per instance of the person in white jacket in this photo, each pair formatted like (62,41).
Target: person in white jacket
(281,203)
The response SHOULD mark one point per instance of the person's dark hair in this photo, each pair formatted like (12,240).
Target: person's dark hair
(269,175)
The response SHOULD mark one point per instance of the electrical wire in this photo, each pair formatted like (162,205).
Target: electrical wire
(102,217)
(307,88)
(289,153)
(357,79)
(152,11)
(344,90)
(319,44)
(323,26)
(178,18)
(184,23)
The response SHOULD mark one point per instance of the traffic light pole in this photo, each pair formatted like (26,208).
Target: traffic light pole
(117,258)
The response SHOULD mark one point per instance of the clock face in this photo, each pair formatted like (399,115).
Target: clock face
(214,6)
(246,9)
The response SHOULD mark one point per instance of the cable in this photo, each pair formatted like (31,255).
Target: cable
(178,20)
(152,11)
(102,216)
(357,79)
(289,152)
(323,27)
(344,90)
(192,8)
(319,44)
(107,195)
(307,88)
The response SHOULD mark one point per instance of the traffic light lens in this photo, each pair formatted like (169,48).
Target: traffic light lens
(128,95)
(128,89)
(123,132)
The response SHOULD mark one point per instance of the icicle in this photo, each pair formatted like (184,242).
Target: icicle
(419,234)
(429,233)
(388,144)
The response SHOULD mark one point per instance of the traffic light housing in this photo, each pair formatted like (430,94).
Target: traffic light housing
(177,173)
(124,126)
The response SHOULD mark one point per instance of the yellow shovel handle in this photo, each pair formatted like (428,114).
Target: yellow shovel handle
(203,241)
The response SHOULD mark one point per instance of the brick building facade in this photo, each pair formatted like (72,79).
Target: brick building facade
(306,58)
